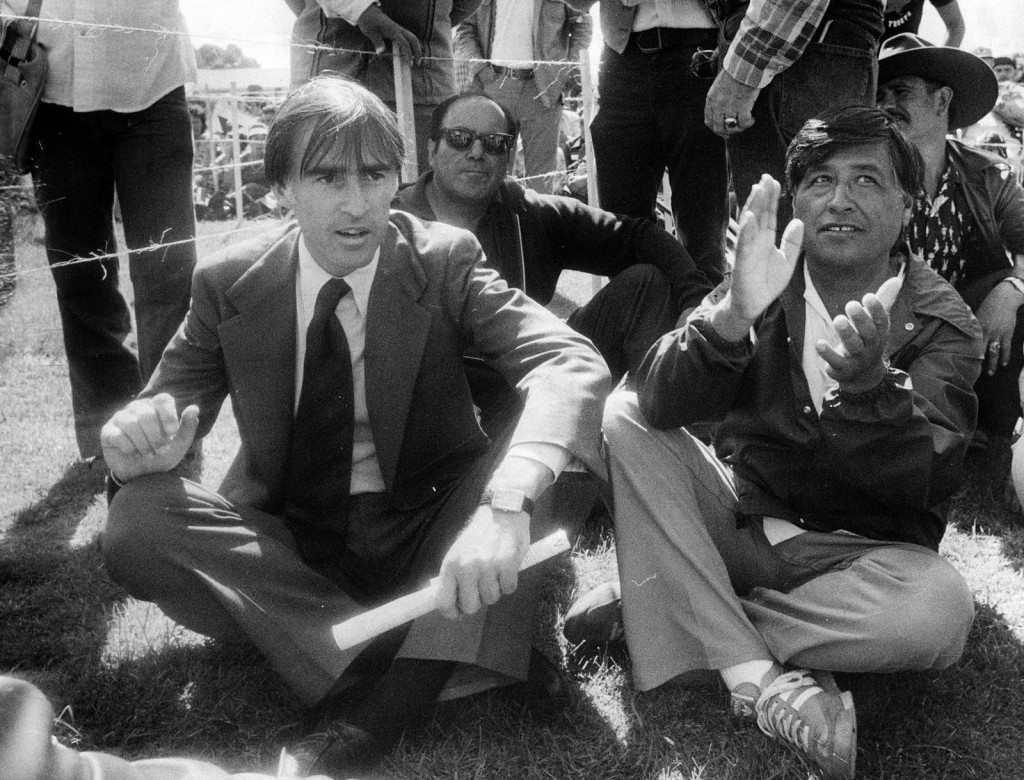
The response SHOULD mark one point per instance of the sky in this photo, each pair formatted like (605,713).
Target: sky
(261,27)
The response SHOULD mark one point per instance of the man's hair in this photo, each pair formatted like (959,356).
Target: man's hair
(446,105)
(334,121)
(848,128)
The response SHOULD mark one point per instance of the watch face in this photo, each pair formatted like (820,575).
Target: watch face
(508,500)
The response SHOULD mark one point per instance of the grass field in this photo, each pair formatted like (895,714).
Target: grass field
(127,680)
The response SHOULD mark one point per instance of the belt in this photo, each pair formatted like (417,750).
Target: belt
(839,32)
(657,38)
(520,74)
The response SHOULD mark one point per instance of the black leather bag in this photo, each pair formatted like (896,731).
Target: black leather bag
(22,73)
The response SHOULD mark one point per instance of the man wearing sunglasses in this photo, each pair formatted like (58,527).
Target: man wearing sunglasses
(530,238)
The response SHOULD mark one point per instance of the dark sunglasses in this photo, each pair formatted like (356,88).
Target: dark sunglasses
(494,143)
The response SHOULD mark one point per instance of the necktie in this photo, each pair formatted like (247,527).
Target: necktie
(320,462)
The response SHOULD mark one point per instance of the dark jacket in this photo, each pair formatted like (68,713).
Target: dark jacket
(430,302)
(996,202)
(320,44)
(873,463)
(530,238)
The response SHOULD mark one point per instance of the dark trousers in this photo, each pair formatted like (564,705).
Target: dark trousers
(651,118)
(80,160)
(826,75)
(999,393)
(238,573)
(627,316)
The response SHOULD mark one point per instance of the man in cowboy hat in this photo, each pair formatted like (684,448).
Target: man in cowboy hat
(970,215)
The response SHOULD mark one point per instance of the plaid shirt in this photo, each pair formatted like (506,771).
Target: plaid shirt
(772,36)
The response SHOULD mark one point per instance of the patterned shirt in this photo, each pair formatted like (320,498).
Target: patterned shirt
(939,227)
(772,36)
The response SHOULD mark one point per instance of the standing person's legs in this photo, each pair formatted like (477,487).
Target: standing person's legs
(74,180)
(627,144)
(152,163)
(826,75)
(695,159)
(538,127)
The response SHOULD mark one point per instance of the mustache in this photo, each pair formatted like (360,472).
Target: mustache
(898,114)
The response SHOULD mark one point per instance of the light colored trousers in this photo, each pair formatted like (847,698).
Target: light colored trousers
(538,127)
(700,593)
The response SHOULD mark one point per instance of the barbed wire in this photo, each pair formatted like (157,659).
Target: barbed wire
(244,96)
(312,47)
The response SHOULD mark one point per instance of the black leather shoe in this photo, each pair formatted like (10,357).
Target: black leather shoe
(341,750)
(596,617)
(545,691)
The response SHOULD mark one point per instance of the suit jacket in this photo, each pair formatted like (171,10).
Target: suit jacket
(431,301)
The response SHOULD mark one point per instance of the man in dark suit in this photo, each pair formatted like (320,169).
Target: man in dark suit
(350,491)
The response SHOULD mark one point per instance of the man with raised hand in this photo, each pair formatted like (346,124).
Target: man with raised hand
(362,469)
(841,375)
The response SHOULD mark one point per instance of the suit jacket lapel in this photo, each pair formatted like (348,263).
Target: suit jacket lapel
(259,350)
(396,334)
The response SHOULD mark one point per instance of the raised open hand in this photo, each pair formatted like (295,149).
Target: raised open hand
(761,270)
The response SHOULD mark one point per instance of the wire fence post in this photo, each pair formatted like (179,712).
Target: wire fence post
(236,150)
(406,117)
(211,153)
(587,82)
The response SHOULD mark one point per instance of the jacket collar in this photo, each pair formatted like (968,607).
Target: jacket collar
(924,295)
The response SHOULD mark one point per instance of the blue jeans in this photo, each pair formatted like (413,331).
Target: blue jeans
(827,75)
(651,117)
(80,160)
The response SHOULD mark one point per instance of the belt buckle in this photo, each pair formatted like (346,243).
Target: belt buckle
(649,49)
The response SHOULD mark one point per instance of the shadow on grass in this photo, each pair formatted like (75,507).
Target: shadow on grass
(53,606)
(986,503)
(124,678)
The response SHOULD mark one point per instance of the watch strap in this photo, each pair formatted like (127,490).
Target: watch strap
(526,503)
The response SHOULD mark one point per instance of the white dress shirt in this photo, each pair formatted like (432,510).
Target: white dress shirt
(351,312)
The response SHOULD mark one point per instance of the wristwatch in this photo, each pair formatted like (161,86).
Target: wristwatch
(507,500)
(1018,284)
